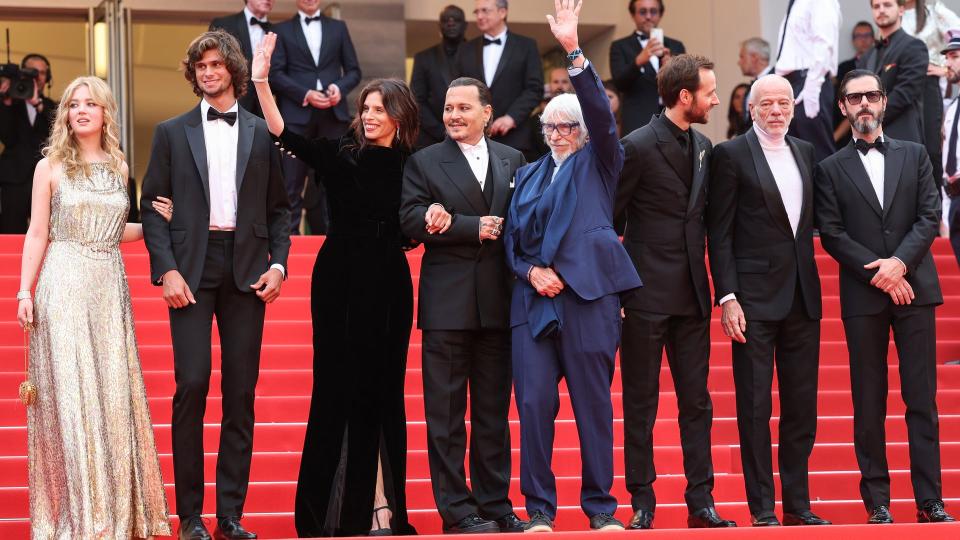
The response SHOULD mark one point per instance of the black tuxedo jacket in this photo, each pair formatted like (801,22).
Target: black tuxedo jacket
(293,71)
(464,285)
(638,85)
(902,67)
(753,250)
(665,233)
(856,230)
(517,85)
(21,141)
(238,26)
(432,74)
(178,169)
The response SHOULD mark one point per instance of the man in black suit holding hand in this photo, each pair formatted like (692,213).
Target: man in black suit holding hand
(432,73)
(455,196)
(760,230)
(663,192)
(635,61)
(224,254)
(510,66)
(878,212)
(249,26)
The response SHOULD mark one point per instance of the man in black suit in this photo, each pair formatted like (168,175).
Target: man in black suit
(313,68)
(249,26)
(432,73)
(224,254)
(878,212)
(760,231)
(24,127)
(455,196)
(510,66)
(901,62)
(663,192)
(635,61)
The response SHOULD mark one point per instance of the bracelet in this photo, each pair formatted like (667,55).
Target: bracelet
(23,295)
(258,80)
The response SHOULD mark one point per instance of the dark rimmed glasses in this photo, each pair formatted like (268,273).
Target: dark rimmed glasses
(644,11)
(565,128)
(854,98)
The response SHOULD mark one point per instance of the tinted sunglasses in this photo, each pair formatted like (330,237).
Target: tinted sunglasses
(855,98)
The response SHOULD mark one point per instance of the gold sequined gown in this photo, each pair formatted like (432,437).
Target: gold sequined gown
(94,471)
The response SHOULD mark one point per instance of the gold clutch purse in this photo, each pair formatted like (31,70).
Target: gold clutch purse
(28,390)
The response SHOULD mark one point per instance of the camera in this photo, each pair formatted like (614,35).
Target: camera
(22,81)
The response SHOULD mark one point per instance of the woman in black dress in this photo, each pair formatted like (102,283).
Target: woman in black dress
(361,299)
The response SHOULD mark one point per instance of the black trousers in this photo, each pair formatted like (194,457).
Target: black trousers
(953,221)
(687,342)
(868,337)
(452,361)
(324,124)
(15,207)
(240,321)
(793,344)
(818,130)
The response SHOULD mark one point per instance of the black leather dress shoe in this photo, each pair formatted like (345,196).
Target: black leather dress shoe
(933,512)
(707,518)
(229,528)
(192,528)
(803,518)
(510,523)
(642,519)
(765,520)
(472,524)
(880,515)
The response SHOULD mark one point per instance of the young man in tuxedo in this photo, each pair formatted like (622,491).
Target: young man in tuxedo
(510,66)
(635,61)
(432,73)
(878,212)
(760,231)
(224,254)
(455,196)
(662,191)
(313,68)
(249,26)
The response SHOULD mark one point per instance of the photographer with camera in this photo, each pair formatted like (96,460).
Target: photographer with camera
(26,115)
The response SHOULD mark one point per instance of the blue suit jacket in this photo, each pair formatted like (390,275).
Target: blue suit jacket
(293,71)
(590,258)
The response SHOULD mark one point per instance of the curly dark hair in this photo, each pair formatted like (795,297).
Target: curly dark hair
(232,54)
(401,107)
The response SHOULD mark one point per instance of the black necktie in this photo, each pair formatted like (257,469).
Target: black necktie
(228,117)
(684,140)
(864,147)
(783,34)
(491,41)
(262,24)
(951,168)
(308,20)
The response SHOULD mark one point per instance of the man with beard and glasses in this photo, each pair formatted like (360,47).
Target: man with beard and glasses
(662,191)
(900,61)
(878,212)
(432,73)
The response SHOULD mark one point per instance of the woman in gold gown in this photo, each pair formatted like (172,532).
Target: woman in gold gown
(94,471)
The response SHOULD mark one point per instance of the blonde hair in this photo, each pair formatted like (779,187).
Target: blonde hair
(62,147)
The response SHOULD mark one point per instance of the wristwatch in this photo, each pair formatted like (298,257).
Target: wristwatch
(574,54)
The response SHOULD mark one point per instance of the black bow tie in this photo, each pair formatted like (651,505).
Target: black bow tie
(257,22)
(642,36)
(881,43)
(228,117)
(491,41)
(864,147)
(308,20)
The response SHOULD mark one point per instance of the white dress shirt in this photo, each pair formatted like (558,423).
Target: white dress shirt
(873,163)
(255,30)
(31,113)
(811,42)
(314,34)
(654,59)
(478,157)
(491,56)
(220,139)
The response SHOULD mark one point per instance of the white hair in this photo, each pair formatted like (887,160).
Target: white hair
(770,79)
(565,108)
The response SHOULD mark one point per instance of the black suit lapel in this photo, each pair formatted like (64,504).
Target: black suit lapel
(699,171)
(671,150)
(853,167)
(326,29)
(771,192)
(247,122)
(892,166)
(440,57)
(508,48)
(455,165)
(194,131)
(243,30)
(500,172)
(301,39)
(806,175)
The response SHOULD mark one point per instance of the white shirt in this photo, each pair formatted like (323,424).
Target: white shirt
(31,113)
(220,140)
(811,42)
(873,162)
(478,157)
(654,59)
(255,30)
(491,56)
(314,34)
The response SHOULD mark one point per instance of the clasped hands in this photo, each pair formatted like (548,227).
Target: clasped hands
(545,281)
(890,279)
(323,100)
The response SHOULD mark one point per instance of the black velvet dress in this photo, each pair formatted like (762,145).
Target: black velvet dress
(361,300)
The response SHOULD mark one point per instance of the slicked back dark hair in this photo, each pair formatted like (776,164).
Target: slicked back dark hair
(486,98)
(856,74)
(681,73)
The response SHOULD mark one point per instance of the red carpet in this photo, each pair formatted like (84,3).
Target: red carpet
(285,385)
